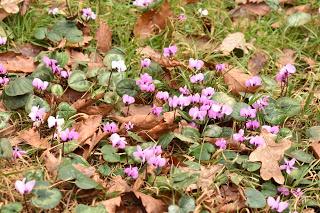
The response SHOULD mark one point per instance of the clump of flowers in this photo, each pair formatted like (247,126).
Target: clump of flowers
(88,14)
(151,155)
(53,11)
(203,12)
(162,95)
(198,78)
(128,126)
(221,143)
(253,82)
(271,129)
(145,82)
(261,103)
(18,153)
(68,135)
(55,67)
(37,115)
(55,122)
(170,51)
(39,84)
(4,80)
(110,127)
(117,141)
(132,172)
(248,112)
(182,17)
(285,72)
(288,165)
(257,141)
(156,110)
(220,67)
(145,63)
(239,137)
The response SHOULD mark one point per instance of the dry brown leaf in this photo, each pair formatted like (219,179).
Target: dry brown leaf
(140,122)
(103,37)
(236,79)
(10,6)
(87,171)
(51,162)
(3,14)
(87,127)
(32,137)
(198,42)
(91,143)
(25,7)
(151,204)
(14,62)
(286,57)
(312,63)
(153,20)
(248,1)
(102,109)
(28,50)
(148,52)
(77,57)
(233,41)
(190,1)
(112,204)
(117,184)
(250,9)
(86,39)
(298,9)
(269,155)
(257,62)
(137,109)
(315,146)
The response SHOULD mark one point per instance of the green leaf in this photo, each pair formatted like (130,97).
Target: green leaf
(174,209)
(255,199)
(19,86)
(62,58)
(90,209)
(268,189)
(202,152)
(45,197)
(34,100)
(113,55)
(251,166)
(5,148)
(301,156)
(104,169)
(273,4)
(70,146)
(116,77)
(236,178)
(278,110)
(40,33)
(314,133)
(65,110)
(57,90)
(212,130)
(236,111)
(165,139)
(4,118)
(54,37)
(226,132)
(110,154)
(269,84)
(15,102)
(43,73)
(84,182)
(224,98)
(14,207)
(78,81)
(74,35)
(183,138)
(181,180)
(298,19)
(187,204)
(135,137)
(127,86)
(190,132)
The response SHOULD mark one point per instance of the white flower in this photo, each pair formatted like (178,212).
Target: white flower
(120,66)
(58,122)
(203,12)
(54,11)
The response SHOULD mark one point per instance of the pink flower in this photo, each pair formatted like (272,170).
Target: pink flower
(283,190)
(127,99)
(132,172)
(195,64)
(18,153)
(117,141)
(3,70)
(128,126)
(252,124)
(4,81)
(182,17)
(3,40)
(142,3)
(285,72)
(197,114)
(221,143)
(37,115)
(194,98)
(156,110)
(162,95)
(146,62)
(157,161)
(146,83)
(88,14)
(297,192)
(49,62)
(239,137)
(198,78)
(173,101)
(220,67)
(110,127)
(183,101)
(257,141)
(140,154)
(273,129)
(218,110)
(119,65)
(184,90)
(65,74)
(149,155)
(254,81)
(248,112)
(261,103)
(208,92)
(170,51)
(68,135)
(276,204)
(39,84)
(24,187)
(288,165)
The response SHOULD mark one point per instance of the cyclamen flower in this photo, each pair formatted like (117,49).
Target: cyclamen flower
(248,112)
(157,161)
(203,12)
(219,110)
(127,99)
(132,172)
(181,101)
(285,72)
(252,124)
(195,64)
(197,114)
(110,127)
(288,165)
(276,204)
(88,14)
(4,81)
(184,90)
(257,141)
(208,92)
(162,95)
(24,187)
(49,62)
(142,3)
(283,190)
(128,126)
(239,137)
(220,67)
(3,70)
(182,17)
(271,129)
(65,74)
(149,155)
(254,81)
(68,135)
(39,84)
(146,83)
(18,153)
(156,110)
(55,122)
(120,66)
(197,78)
(221,143)
(3,40)
(261,103)
(170,51)
(297,192)
(145,63)
(117,141)
(37,115)
(53,11)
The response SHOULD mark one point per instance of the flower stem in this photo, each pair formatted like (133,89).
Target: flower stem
(109,80)
(25,203)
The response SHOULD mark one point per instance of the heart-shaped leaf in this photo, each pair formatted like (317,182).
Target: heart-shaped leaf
(15,102)
(4,118)
(255,199)
(127,87)
(212,130)
(110,154)
(45,197)
(34,100)
(90,209)
(113,55)
(298,19)
(14,207)
(65,110)
(5,148)
(19,86)
(78,81)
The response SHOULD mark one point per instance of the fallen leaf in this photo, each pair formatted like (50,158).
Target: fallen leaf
(286,57)
(86,101)
(233,41)
(24,7)
(3,14)
(198,42)
(140,122)
(151,204)
(257,62)
(28,50)
(248,1)
(77,57)
(14,62)
(269,155)
(151,21)
(315,146)
(10,6)
(148,52)
(89,145)
(137,109)
(87,127)
(112,204)
(300,8)
(86,39)
(117,184)
(250,9)
(32,137)
(51,162)
(103,37)
(236,79)
(312,63)
(102,109)
(190,1)
(88,171)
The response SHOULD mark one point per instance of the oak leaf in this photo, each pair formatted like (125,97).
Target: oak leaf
(103,37)
(269,155)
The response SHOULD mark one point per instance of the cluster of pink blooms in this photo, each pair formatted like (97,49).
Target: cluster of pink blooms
(88,14)
(170,51)
(110,127)
(276,204)
(132,172)
(117,141)
(286,192)
(261,103)
(197,78)
(220,67)
(142,3)
(37,115)
(68,135)
(4,80)
(253,82)
(156,110)
(55,68)
(288,165)
(18,153)
(151,155)
(182,17)
(39,84)
(221,143)
(145,82)
(285,72)
(128,126)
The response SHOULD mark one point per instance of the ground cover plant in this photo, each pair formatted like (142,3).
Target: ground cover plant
(160,106)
